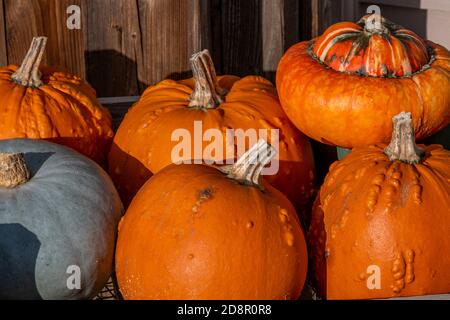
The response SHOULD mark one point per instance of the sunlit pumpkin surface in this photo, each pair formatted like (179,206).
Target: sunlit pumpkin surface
(143,144)
(62,109)
(193,233)
(343,87)
(388,214)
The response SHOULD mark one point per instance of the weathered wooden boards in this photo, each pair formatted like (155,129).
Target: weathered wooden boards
(125,45)
(122,46)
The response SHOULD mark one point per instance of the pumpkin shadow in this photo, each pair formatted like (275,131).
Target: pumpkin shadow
(35,160)
(113,74)
(127,190)
(180,75)
(19,249)
(79,143)
(317,253)
(442,137)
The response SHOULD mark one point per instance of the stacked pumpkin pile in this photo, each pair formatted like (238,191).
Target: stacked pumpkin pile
(379,225)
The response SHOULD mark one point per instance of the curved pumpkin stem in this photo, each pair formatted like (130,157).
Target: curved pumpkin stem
(403,146)
(28,74)
(207,93)
(248,168)
(13,170)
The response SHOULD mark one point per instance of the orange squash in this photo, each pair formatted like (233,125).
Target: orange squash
(42,103)
(199,232)
(143,144)
(380,225)
(344,87)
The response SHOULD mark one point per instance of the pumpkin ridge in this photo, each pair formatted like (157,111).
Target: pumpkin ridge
(83,115)
(437,178)
(13,116)
(88,114)
(336,39)
(67,90)
(424,68)
(42,120)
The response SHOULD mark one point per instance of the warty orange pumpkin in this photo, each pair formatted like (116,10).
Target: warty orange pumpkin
(200,232)
(344,87)
(380,225)
(43,103)
(143,144)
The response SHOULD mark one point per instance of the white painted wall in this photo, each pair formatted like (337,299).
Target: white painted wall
(438,21)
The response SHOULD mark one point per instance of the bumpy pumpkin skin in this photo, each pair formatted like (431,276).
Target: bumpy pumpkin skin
(66,214)
(64,110)
(44,103)
(371,211)
(350,104)
(143,146)
(193,233)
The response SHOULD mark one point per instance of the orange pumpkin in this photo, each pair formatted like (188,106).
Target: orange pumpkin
(196,232)
(380,225)
(344,87)
(144,144)
(42,103)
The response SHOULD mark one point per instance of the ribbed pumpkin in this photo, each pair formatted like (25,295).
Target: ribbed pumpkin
(59,213)
(144,144)
(344,87)
(196,232)
(384,212)
(43,103)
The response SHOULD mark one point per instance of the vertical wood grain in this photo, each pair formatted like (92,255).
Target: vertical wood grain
(321,16)
(237,37)
(20,33)
(3,49)
(126,45)
(170,35)
(113,46)
(25,19)
(272,34)
(281,28)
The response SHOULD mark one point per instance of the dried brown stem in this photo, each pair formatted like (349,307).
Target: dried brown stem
(13,170)
(207,93)
(28,74)
(403,146)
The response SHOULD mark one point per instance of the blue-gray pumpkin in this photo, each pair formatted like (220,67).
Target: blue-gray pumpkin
(59,213)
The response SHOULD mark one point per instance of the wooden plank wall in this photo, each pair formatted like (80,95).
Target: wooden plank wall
(125,45)
(122,46)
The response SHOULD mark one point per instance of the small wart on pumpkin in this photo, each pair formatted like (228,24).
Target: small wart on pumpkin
(207,193)
(203,195)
